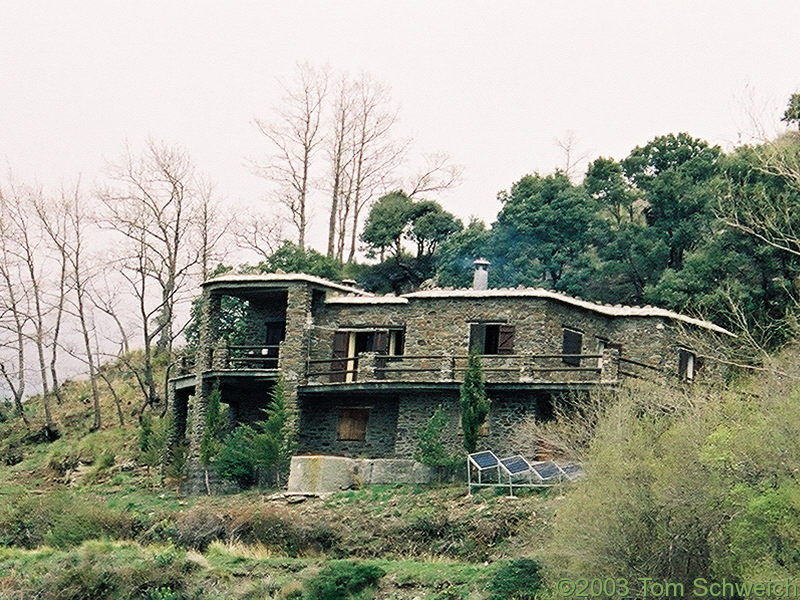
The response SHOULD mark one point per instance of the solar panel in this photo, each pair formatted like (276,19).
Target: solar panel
(484,460)
(546,470)
(515,464)
(572,470)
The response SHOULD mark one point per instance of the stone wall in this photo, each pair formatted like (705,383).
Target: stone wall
(506,412)
(318,426)
(394,422)
(441,326)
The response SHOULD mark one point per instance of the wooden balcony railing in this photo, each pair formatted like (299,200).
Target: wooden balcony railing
(240,356)
(425,368)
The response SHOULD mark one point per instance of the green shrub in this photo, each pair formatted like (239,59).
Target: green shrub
(161,593)
(267,445)
(517,580)
(339,580)
(431,450)
(87,521)
(236,460)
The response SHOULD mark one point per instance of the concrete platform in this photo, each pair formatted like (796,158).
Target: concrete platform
(326,474)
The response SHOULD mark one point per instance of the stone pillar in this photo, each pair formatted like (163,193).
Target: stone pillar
(367,361)
(219,357)
(203,362)
(609,369)
(447,370)
(294,349)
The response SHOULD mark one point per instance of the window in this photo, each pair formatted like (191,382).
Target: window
(687,364)
(571,347)
(352,424)
(491,338)
(348,344)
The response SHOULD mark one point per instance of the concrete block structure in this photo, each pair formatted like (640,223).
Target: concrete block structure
(365,372)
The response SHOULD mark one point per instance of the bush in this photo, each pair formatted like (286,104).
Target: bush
(267,445)
(431,450)
(474,403)
(236,460)
(682,485)
(60,520)
(517,580)
(198,527)
(342,579)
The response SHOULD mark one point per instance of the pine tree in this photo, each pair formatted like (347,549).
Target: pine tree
(474,403)
(275,441)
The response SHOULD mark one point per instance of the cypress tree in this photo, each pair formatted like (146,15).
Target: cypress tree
(474,403)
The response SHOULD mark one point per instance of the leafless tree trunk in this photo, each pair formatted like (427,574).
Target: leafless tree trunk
(295,135)
(13,317)
(66,223)
(340,156)
(376,155)
(169,227)
(24,240)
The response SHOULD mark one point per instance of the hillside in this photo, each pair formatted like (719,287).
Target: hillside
(681,483)
(86,512)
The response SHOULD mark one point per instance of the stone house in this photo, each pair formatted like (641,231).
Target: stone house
(365,372)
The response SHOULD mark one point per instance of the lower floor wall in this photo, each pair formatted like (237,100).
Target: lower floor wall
(393,422)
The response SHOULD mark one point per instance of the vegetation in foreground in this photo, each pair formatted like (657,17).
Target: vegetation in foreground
(680,484)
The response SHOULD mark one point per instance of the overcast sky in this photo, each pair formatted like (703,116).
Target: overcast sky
(492,84)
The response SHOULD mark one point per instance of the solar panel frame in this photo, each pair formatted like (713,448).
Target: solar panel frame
(515,465)
(547,470)
(484,460)
(572,471)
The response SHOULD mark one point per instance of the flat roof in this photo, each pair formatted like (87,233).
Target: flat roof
(275,280)
(616,310)
(357,296)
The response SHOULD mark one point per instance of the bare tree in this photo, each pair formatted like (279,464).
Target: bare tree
(169,229)
(436,175)
(257,232)
(24,240)
(66,222)
(339,156)
(572,156)
(295,135)
(13,315)
(770,216)
(376,154)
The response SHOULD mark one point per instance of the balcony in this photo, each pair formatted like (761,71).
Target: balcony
(563,369)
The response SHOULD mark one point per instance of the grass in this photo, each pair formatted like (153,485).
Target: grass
(79,518)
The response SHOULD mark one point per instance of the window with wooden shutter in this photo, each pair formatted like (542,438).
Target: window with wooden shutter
(491,338)
(571,347)
(352,424)
(341,340)
(505,339)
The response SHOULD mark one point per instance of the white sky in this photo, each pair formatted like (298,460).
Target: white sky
(492,84)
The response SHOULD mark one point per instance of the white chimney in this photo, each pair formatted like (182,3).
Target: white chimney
(480,278)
